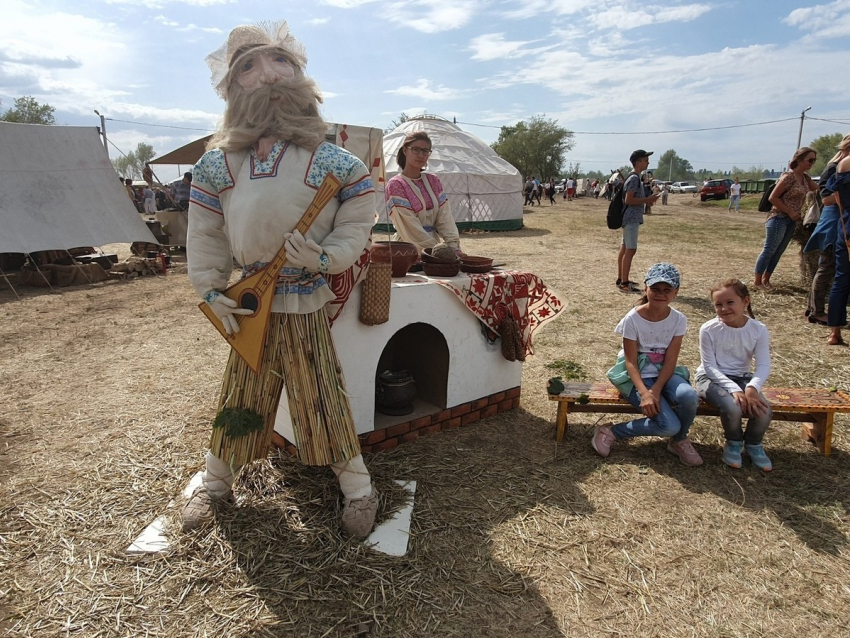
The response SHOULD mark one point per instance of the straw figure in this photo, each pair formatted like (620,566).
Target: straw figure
(260,174)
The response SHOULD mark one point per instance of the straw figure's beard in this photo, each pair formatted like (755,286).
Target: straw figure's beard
(288,110)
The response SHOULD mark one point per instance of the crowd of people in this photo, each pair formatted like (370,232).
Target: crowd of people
(150,198)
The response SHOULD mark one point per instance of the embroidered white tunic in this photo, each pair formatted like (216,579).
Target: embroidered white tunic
(420,212)
(242,206)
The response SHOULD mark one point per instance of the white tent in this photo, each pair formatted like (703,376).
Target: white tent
(60,191)
(483,189)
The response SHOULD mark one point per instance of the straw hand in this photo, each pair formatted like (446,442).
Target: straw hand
(304,253)
(226,310)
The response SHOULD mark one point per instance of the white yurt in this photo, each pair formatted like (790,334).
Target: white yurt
(483,189)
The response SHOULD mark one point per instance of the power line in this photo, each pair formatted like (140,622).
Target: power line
(183,128)
(820,119)
(687,130)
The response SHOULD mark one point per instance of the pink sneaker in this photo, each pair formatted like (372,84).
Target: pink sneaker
(685,451)
(603,439)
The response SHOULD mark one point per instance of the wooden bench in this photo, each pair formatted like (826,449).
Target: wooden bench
(815,408)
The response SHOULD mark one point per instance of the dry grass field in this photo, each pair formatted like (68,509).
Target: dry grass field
(108,392)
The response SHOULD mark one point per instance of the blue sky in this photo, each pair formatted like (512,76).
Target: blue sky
(596,66)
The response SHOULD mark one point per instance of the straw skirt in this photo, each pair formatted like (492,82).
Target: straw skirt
(299,355)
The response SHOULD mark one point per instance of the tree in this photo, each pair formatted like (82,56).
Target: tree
(673,168)
(28,111)
(751,173)
(133,163)
(396,123)
(570,171)
(535,148)
(825,146)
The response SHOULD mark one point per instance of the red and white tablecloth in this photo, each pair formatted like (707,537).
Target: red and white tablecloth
(499,293)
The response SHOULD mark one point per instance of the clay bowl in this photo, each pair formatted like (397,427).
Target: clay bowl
(473,264)
(428,258)
(401,254)
(441,269)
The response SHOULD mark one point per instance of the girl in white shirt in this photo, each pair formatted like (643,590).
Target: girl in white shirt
(728,344)
(652,337)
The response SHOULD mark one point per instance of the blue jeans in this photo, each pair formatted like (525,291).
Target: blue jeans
(735,202)
(679,403)
(777,236)
(837,311)
(731,417)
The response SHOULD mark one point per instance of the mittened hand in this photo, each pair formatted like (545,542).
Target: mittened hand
(226,310)
(302,253)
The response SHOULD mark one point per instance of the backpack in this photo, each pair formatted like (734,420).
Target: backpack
(617,206)
(764,202)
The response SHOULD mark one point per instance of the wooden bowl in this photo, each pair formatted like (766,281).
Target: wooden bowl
(473,264)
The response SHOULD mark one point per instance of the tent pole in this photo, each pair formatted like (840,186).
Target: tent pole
(80,266)
(43,276)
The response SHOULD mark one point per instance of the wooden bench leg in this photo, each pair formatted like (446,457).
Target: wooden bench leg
(563,411)
(819,432)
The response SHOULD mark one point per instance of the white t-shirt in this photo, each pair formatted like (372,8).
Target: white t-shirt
(653,337)
(736,190)
(728,352)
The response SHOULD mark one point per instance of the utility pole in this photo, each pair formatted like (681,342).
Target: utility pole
(103,132)
(670,176)
(802,118)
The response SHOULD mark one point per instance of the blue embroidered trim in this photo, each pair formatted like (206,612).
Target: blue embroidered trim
(213,166)
(364,185)
(290,281)
(330,158)
(205,199)
(324,263)
(269,167)
(211,296)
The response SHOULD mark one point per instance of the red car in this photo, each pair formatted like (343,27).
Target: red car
(714,188)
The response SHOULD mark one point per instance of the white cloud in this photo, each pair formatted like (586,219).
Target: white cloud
(347,4)
(622,17)
(317,21)
(424,91)
(533,8)
(492,46)
(825,20)
(431,16)
(159,4)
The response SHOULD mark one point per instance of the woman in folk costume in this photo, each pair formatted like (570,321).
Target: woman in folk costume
(417,205)
(261,172)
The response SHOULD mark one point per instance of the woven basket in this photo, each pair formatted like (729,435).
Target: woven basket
(445,269)
(375,300)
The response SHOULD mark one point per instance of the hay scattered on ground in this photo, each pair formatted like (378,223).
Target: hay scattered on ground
(108,395)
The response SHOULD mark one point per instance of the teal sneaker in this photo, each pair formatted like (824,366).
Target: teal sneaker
(732,453)
(758,457)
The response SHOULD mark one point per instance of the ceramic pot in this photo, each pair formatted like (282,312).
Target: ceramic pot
(394,393)
(400,254)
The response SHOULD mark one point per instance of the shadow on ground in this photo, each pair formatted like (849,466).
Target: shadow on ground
(285,540)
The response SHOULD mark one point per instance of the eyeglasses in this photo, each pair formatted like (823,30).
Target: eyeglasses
(419,151)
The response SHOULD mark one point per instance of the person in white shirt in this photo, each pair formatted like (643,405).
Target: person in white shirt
(646,372)
(735,196)
(728,344)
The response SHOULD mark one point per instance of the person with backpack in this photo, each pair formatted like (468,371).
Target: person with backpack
(635,196)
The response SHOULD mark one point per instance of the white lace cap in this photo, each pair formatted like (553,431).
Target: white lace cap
(269,35)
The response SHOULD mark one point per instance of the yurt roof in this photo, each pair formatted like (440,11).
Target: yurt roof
(455,150)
